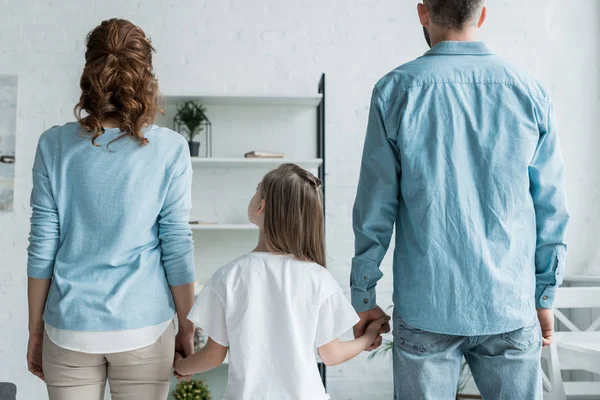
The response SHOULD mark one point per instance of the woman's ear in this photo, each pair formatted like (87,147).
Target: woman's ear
(261,207)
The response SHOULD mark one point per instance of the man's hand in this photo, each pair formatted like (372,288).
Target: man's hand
(546,318)
(365,319)
(34,354)
(374,329)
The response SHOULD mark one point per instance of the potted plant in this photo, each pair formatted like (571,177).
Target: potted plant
(192,390)
(191,117)
(199,340)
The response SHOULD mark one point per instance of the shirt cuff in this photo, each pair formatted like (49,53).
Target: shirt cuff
(44,272)
(363,300)
(544,296)
(180,277)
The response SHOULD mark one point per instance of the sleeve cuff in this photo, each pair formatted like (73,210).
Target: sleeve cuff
(180,278)
(544,296)
(39,273)
(363,300)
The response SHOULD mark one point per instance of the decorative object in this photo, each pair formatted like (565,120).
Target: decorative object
(192,390)
(199,339)
(190,120)
(263,154)
(8,128)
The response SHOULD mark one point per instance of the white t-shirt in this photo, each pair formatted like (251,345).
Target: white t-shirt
(272,311)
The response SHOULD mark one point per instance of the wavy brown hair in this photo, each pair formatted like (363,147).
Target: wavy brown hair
(294,221)
(118,82)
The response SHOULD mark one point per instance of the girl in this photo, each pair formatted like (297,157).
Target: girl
(111,253)
(270,308)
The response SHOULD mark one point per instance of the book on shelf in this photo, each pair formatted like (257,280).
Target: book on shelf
(263,154)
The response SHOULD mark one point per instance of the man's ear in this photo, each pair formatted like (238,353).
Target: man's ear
(482,17)
(423,12)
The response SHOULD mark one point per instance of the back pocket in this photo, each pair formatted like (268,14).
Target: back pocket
(523,338)
(419,341)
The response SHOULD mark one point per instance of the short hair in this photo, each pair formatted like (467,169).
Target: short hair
(453,14)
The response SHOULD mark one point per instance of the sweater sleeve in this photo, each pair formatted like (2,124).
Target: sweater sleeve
(44,236)
(174,230)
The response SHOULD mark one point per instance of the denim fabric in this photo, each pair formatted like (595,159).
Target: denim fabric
(462,158)
(504,366)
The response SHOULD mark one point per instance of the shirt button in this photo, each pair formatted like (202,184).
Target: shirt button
(366,278)
(545,297)
(365,301)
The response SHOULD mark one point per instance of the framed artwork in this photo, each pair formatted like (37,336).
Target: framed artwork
(8,127)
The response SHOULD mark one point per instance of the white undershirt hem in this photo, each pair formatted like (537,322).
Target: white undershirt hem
(106,342)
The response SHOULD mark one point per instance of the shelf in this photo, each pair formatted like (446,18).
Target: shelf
(223,227)
(310,100)
(223,162)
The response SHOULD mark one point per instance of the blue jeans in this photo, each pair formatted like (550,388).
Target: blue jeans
(505,366)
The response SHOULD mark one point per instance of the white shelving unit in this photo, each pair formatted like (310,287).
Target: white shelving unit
(292,124)
(306,100)
(223,227)
(231,162)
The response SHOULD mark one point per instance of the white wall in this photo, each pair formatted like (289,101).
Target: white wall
(237,46)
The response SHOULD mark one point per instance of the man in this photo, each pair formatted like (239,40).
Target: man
(462,155)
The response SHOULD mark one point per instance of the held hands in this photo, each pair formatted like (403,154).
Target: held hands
(34,354)
(184,347)
(177,366)
(375,328)
(368,321)
(546,318)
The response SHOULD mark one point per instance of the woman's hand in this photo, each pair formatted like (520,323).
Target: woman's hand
(37,292)
(184,343)
(184,347)
(183,295)
(34,354)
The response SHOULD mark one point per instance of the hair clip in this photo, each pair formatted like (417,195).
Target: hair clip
(318,184)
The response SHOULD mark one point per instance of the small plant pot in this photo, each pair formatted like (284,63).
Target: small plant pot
(194,148)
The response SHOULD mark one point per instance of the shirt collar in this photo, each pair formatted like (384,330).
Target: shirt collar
(460,49)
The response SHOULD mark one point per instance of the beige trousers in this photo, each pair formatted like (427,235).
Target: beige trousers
(143,374)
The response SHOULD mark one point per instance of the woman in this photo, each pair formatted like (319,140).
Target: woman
(111,254)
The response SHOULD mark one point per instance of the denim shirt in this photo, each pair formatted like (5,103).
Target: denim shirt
(462,157)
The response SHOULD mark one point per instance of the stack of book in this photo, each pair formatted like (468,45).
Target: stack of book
(263,154)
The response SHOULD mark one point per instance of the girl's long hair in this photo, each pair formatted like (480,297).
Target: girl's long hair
(118,81)
(294,221)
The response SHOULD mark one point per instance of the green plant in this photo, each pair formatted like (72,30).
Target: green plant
(192,390)
(191,116)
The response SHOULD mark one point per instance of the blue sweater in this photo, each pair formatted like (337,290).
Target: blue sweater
(110,226)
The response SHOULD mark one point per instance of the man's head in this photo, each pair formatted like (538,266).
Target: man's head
(450,19)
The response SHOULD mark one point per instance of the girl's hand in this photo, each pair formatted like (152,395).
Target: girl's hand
(177,361)
(365,319)
(34,354)
(376,328)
